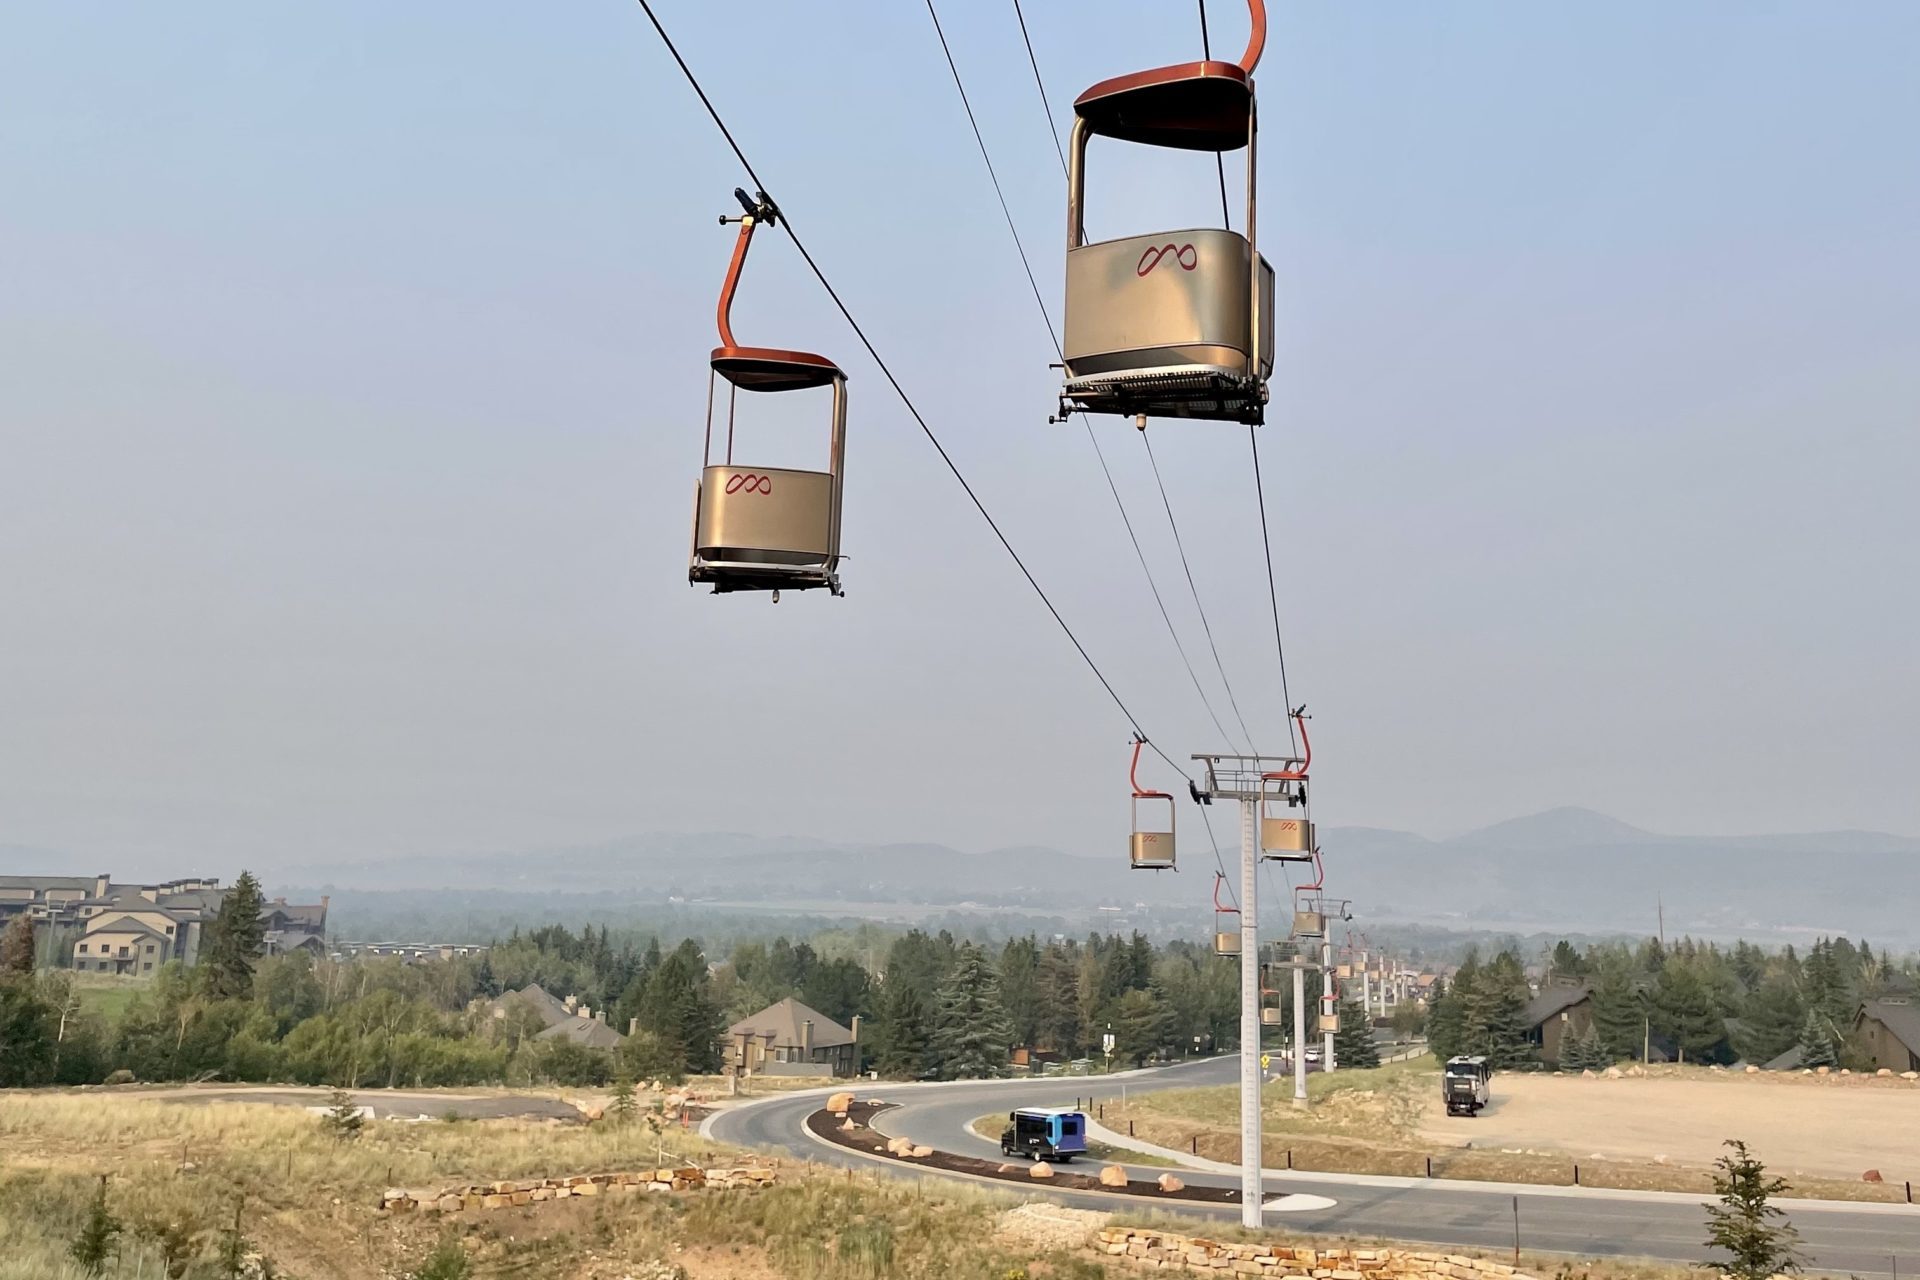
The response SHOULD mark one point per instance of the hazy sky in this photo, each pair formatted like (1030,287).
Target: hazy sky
(352,367)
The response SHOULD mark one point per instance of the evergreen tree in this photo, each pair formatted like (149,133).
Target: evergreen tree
(343,1119)
(1140,1020)
(624,1108)
(235,939)
(1019,987)
(1446,1023)
(1353,1043)
(1057,1023)
(97,1242)
(1742,1225)
(1588,1053)
(905,1035)
(1821,1040)
(16,946)
(1566,961)
(678,1006)
(28,1031)
(971,1033)
(1494,1010)
(234,1248)
(1685,1010)
(1771,1020)
(1619,1013)
(838,988)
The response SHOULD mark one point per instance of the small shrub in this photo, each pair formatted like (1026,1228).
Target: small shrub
(97,1241)
(865,1249)
(343,1119)
(448,1261)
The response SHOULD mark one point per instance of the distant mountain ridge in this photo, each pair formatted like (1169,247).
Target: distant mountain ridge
(1568,869)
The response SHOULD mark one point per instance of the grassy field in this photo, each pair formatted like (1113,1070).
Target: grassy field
(1371,1122)
(309,1201)
(105,994)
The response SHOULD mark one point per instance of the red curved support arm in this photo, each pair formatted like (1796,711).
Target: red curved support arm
(1219,910)
(1306,747)
(724,312)
(1257,38)
(1319,876)
(1133,776)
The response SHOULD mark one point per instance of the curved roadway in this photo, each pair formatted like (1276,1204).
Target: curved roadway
(1856,1239)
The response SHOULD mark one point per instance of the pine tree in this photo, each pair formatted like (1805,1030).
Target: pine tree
(1771,1019)
(1140,1021)
(1685,1010)
(235,939)
(343,1119)
(904,1033)
(1353,1043)
(16,946)
(624,1108)
(1494,1005)
(1585,1053)
(1742,1225)
(97,1242)
(1821,1041)
(1057,1023)
(1446,1022)
(234,1247)
(677,1005)
(971,1033)
(1619,1014)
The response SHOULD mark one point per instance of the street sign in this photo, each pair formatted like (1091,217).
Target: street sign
(1106,1044)
(1266,1060)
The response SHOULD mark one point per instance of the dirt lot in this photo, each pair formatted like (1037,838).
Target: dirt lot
(1795,1123)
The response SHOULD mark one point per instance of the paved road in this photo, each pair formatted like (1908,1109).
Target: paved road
(1861,1240)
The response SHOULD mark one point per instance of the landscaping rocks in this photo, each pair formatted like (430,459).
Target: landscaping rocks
(1113,1176)
(1041,1169)
(1167,1251)
(506,1195)
(1168,1182)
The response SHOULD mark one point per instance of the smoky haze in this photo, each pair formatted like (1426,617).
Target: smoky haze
(355,365)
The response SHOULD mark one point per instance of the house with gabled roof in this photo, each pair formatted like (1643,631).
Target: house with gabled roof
(787,1038)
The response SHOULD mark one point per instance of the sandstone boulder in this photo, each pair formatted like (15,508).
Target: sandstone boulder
(1113,1176)
(1821,1071)
(1872,1175)
(839,1103)
(1752,1070)
(1910,1075)
(848,1125)
(1170,1183)
(1008,1168)
(921,1153)
(122,1076)
(1041,1169)
(899,1146)
(1612,1073)
(1884,1071)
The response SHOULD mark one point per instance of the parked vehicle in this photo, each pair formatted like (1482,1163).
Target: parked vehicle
(1044,1133)
(1465,1085)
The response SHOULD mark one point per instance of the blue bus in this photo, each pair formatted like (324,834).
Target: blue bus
(1044,1133)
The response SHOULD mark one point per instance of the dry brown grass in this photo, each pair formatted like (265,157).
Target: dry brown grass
(310,1199)
(1369,1122)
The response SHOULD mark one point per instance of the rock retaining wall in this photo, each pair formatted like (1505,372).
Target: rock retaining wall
(1193,1253)
(506,1195)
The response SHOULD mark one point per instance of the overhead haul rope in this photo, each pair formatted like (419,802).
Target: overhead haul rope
(887,372)
(1053,335)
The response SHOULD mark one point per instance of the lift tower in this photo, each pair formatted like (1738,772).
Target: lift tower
(1250,780)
